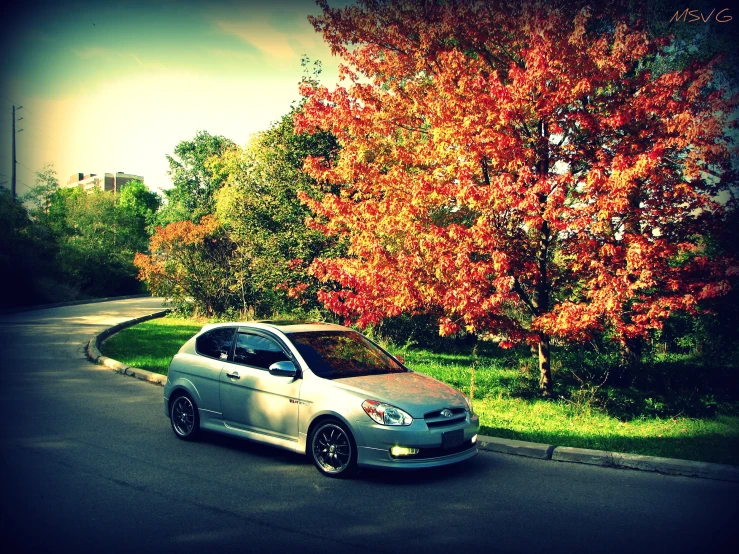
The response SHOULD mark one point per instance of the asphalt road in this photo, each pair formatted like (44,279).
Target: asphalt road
(90,464)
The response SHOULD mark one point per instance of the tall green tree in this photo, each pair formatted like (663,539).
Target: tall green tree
(140,205)
(96,242)
(195,180)
(260,209)
(39,197)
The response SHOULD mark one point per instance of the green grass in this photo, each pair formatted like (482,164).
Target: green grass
(150,345)
(508,409)
(620,420)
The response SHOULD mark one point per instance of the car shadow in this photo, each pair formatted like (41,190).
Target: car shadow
(264,451)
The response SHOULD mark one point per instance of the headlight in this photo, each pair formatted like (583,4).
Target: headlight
(385,414)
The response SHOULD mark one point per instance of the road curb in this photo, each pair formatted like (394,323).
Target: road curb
(583,456)
(670,466)
(568,454)
(666,466)
(92,351)
(515,447)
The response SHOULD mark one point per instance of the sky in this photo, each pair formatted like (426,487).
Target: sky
(110,86)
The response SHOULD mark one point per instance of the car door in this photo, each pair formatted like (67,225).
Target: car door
(251,397)
(204,369)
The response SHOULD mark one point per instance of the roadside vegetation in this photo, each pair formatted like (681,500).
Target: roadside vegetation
(678,406)
(61,244)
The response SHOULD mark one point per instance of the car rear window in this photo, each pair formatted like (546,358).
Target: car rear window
(337,354)
(215,343)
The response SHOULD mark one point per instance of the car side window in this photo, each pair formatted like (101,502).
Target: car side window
(258,351)
(216,343)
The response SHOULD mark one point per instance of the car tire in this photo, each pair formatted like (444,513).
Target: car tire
(183,414)
(332,449)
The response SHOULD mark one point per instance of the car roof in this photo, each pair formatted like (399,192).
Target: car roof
(284,326)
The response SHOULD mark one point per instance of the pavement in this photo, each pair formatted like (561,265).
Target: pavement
(35,307)
(618,460)
(89,463)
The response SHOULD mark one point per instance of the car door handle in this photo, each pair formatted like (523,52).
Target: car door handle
(234,375)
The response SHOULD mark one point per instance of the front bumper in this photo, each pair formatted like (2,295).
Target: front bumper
(377,440)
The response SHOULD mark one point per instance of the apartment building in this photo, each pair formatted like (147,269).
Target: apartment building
(111,182)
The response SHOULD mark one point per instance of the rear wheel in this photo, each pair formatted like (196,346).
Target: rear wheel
(184,417)
(333,450)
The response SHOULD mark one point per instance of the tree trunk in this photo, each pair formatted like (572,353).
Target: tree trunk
(631,353)
(541,301)
(545,372)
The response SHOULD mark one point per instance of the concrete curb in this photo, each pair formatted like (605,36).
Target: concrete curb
(93,351)
(665,466)
(515,447)
(583,456)
(70,303)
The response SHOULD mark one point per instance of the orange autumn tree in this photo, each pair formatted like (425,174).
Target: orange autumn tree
(190,262)
(515,168)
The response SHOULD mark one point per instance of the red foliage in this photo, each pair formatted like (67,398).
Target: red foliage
(515,167)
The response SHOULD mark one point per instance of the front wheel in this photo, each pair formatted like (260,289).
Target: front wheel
(184,417)
(333,450)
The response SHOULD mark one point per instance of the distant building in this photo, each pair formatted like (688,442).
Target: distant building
(111,182)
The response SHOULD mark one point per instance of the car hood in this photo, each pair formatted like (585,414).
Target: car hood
(413,392)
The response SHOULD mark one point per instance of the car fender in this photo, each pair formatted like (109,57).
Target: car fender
(185,384)
(348,421)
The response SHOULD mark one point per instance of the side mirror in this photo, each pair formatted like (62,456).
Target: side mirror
(283,369)
(400,358)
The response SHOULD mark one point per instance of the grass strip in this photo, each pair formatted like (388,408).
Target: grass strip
(150,345)
(504,408)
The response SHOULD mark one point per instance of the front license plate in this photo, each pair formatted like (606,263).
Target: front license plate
(452,439)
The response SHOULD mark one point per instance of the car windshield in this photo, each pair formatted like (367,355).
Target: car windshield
(338,354)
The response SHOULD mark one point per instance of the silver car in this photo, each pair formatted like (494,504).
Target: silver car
(319,389)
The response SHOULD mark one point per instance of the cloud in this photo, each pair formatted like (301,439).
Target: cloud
(258,32)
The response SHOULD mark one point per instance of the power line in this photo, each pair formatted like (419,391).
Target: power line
(28,168)
(27,111)
(31,124)
(24,184)
(36,134)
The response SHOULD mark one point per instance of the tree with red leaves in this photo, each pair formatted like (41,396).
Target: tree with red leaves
(517,169)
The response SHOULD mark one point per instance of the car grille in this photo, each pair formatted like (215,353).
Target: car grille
(435,419)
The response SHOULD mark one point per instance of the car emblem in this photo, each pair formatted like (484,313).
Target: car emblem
(447,413)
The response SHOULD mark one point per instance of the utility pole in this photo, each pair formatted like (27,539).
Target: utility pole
(12,180)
